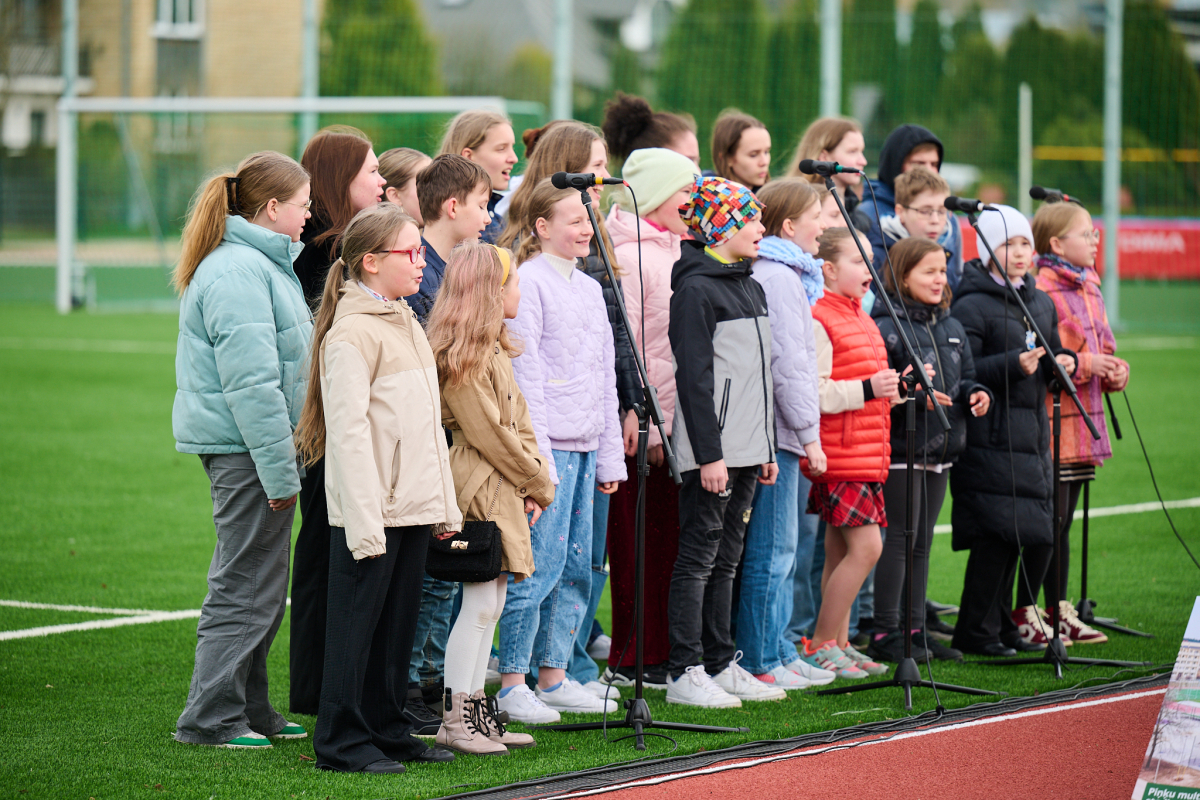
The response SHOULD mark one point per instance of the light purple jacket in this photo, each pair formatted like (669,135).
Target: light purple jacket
(567,371)
(793,355)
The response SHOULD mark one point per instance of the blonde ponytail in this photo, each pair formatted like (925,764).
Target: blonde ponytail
(204,229)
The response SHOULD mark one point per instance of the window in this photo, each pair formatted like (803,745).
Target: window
(179,19)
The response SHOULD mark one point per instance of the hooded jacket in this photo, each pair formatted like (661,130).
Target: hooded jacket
(241,361)
(629,384)
(941,341)
(896,148)
(386,464)
(721,343)
(660,250)
(997,496)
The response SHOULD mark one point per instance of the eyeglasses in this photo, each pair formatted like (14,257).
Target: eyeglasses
(929,212)
(306,205)
(1091,236)
(413,254)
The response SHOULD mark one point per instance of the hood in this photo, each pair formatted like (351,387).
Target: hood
(977,278)
(354,300)
(906,309)
(896,148)
(693,261)
(623,229)
(894,229)
(276,246)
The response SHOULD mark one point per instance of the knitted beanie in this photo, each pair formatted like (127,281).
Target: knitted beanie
(1001,225)
(654,174)
(718,208)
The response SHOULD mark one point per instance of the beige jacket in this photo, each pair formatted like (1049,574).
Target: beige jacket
(386,461)
(495,448)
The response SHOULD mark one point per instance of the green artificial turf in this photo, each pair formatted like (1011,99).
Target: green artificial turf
(97,509)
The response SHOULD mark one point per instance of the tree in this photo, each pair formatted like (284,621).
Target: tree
(378,48)
(925,63)
(870,56)
(1160,88)
(626,71)
(792,92)
(528,74)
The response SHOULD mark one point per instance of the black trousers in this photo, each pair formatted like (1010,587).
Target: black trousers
(1037,561)
(373,606)
(929,492)
(310,590)
(985,610)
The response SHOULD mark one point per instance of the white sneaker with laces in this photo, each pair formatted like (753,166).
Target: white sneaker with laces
(814,675)
(784,678)
(523,705)
(695,688)
(741,684)
(570,696)
(600,647)
(603,690)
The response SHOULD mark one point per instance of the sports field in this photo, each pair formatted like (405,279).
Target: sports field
(98,511)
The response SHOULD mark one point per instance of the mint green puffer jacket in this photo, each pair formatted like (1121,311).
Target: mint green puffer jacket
(241,362)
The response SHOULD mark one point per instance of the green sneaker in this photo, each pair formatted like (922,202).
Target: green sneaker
(250,741)
(290,730)
(864,663)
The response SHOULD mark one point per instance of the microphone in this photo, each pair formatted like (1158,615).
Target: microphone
(582,180)
(1050,195)
(825,168)
(967,205)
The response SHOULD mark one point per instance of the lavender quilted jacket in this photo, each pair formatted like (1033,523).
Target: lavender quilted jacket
(567,371)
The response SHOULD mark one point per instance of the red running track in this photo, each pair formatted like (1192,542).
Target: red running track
(1090,750)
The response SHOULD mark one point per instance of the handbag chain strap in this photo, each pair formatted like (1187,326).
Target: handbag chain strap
(495,497)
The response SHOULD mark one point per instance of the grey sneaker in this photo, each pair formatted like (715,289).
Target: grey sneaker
(862,662)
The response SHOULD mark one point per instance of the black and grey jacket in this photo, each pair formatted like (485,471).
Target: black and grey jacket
(721,345)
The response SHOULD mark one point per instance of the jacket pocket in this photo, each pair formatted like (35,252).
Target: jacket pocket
(395,473)
(574,408)
(723,408)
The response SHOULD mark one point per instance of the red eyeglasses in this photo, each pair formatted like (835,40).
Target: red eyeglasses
(413,254)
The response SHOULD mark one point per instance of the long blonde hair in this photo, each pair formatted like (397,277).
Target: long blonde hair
(371,230)
(468,317)
(822,136)
(260,178)
(540,203)
(469,129)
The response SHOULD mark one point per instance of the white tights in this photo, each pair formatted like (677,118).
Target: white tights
(470,641)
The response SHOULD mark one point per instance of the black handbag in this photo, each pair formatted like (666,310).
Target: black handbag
(472,555)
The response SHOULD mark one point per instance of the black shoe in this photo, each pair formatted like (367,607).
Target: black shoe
(933,607)
(991,649)
(1022,646)
(425,720)
(384,766)
(936,649)
(433,693)
(861,641)
(937,628)
(434,755)
(891,648)
(654,676)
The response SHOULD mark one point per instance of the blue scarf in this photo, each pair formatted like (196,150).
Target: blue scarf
(808,267)
(1052,260)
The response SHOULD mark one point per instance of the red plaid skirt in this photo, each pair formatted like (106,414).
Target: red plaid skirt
(849,504)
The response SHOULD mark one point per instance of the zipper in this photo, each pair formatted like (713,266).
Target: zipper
(395,471)
(762,359)
(724,405)
(937,355)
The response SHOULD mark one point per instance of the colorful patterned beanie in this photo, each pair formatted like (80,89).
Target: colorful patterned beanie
(718,209)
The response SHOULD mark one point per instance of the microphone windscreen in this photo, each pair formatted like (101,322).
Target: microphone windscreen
(559,179)
(1037,192)
(806,166)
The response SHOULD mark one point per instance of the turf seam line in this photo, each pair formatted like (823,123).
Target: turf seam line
(132,612)
(1113,511)
(97,624)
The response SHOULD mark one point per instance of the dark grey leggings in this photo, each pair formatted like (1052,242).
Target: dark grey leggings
(929,490)
(1034,574)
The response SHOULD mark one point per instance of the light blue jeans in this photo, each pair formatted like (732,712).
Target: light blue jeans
(428,659)
(583,668)
(544,613)
(806,580)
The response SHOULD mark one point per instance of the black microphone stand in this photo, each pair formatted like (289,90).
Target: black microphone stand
(907,674)
(637,712)
(1056,652)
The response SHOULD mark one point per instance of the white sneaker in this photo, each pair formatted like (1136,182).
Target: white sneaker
(603,690)
(523,705)
(814,675)
(739,683)
(492,676)
(696,688)
(786,679)
(570,696)
(599,648)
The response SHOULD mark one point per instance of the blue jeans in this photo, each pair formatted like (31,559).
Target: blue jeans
(544,612)
(428,660)
(769,570)
(583,668)
(806,592)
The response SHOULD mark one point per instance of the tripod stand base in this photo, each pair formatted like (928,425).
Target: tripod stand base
(907,676)
(1085,611)
(637,718)
(1056,655)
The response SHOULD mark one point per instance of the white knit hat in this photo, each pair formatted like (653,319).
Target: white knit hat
(1001,225)
(654,174)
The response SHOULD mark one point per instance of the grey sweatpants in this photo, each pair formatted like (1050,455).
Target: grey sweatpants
(247,594)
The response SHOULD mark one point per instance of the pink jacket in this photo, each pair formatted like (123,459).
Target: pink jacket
(660,251)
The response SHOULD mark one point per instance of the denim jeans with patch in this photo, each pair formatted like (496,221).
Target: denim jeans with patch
(583,667)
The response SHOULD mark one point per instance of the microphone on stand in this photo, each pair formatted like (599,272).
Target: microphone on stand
(825,168)
(1051,195)
(582,180)
(967,205)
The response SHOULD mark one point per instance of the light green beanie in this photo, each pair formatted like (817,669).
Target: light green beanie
(654,174)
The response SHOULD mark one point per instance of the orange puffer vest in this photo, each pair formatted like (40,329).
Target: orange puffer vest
(857,443)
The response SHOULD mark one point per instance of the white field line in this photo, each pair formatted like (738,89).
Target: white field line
(1034,712)
(1113,511)
(96,624)
(132,612)
(88,345)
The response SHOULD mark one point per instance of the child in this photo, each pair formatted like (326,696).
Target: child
(1064,236)
(399,167)
(631,124)
(856,390)
(373,406)
(917,285)
(906,147)
(498,472)
(741,149)
(774,555)
(485,137)
(567,375)
(837,139)
(724,436)
(453,194)
(1002,485)
(920,207)
(662,181)
(244,330)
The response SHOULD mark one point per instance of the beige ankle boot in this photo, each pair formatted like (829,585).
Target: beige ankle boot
(465,727)
(497,732)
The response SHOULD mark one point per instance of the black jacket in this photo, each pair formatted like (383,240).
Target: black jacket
(896,147)
(721,342)
(940,340)
(629,386)
(986,478)
(312,265)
